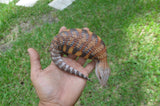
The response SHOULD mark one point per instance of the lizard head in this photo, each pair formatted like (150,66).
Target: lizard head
(102,72)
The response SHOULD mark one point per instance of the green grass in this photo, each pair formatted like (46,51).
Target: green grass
(130,30)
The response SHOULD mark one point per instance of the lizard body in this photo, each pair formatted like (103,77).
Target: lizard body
(84,44)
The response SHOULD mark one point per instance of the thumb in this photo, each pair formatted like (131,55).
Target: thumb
(35,61)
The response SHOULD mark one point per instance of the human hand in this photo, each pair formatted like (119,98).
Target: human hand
(54,86)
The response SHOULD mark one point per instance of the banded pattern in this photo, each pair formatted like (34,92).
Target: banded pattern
(81,43)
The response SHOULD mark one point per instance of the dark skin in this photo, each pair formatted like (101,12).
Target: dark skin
(54,86)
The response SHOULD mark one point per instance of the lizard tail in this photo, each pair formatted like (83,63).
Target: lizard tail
(57,59)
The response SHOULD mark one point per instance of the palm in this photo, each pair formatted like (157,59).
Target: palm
(55,84)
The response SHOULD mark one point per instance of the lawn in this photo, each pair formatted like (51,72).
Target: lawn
(130,30)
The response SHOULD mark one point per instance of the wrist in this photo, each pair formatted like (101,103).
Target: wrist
(41,103)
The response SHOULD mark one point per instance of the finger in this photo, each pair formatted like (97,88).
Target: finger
(35,61)
(62,29)
(81,60)
(72,56)
(90,67)
(86,29)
